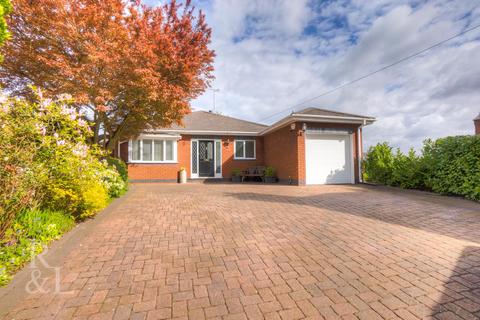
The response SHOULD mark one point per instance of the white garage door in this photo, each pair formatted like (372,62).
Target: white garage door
(328,159)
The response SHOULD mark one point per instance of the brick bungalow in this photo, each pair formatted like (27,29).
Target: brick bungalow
(311,146)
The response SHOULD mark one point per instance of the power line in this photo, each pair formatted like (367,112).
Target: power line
(374,72)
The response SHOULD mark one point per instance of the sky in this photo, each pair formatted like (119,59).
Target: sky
(271,55)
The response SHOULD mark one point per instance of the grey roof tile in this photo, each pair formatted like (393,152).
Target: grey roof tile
(210,121)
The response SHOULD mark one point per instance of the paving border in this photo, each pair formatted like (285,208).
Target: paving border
(57,251)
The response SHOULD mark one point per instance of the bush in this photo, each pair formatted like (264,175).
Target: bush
(452,166)
(448,165)
(46,164)
(120,167)
(113,182)
(407,170)
(270,171)
(378,164)
(30,232)
(45,161)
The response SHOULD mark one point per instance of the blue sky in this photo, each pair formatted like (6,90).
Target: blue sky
(274,54)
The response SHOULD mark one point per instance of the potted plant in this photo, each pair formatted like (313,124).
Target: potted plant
(236,175)
(270,175)
(182,175)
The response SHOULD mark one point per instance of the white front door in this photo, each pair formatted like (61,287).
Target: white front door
(329,158)
(206,158)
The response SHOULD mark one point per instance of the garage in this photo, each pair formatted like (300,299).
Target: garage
(329,158)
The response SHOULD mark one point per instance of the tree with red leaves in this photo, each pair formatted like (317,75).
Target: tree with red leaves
(129,66)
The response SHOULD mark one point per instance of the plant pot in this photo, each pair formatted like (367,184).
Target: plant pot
(236,179)
(182,176)
(270,179)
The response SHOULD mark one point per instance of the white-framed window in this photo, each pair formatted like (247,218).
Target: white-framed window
(153,150)
(244,149)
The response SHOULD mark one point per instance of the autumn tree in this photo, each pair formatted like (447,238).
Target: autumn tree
(129,66)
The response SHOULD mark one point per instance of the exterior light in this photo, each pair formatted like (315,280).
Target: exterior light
(292,126)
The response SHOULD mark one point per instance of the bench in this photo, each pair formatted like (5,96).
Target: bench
(254,172)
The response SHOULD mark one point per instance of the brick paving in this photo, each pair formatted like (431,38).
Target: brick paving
(225,251)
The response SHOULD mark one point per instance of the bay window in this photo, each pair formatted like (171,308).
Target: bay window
(153,150)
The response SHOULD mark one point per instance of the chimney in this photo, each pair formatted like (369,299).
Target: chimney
(476,121)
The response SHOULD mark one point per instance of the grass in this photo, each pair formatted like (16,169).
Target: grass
(30,233)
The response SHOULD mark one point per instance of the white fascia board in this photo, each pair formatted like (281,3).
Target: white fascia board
(315,118)
(212,132)
(159,135)
(300,115)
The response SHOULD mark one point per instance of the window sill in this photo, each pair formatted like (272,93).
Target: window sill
(248,159)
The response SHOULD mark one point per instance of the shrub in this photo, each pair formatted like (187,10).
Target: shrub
(45,161)
(30,232)
(19,169)
(270,171)
(236,172)
(113,181)
(378,164)
(448,165)
(407,170)
(452,166)
(120,166)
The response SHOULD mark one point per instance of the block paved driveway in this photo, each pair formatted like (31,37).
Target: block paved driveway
(247,251)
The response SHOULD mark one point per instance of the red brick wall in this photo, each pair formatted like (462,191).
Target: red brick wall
(477,126)
(163,171)
(169,171)
(282,148)
(285,150)
(228,161)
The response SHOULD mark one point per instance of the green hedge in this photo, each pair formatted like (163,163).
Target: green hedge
(448,165)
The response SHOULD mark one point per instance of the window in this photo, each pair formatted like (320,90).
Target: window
(136,155)
(153,150)
(158,147)
(244,149)
(147,150)
(218,157)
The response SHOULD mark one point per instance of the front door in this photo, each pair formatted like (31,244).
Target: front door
(206,158)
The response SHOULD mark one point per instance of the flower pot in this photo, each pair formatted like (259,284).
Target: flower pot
(182,176)
(236,179)
(270,179)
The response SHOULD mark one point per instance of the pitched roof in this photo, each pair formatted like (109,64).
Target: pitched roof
(324,112)
(209,121)
(203,122)
(320,115)
(478,117)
